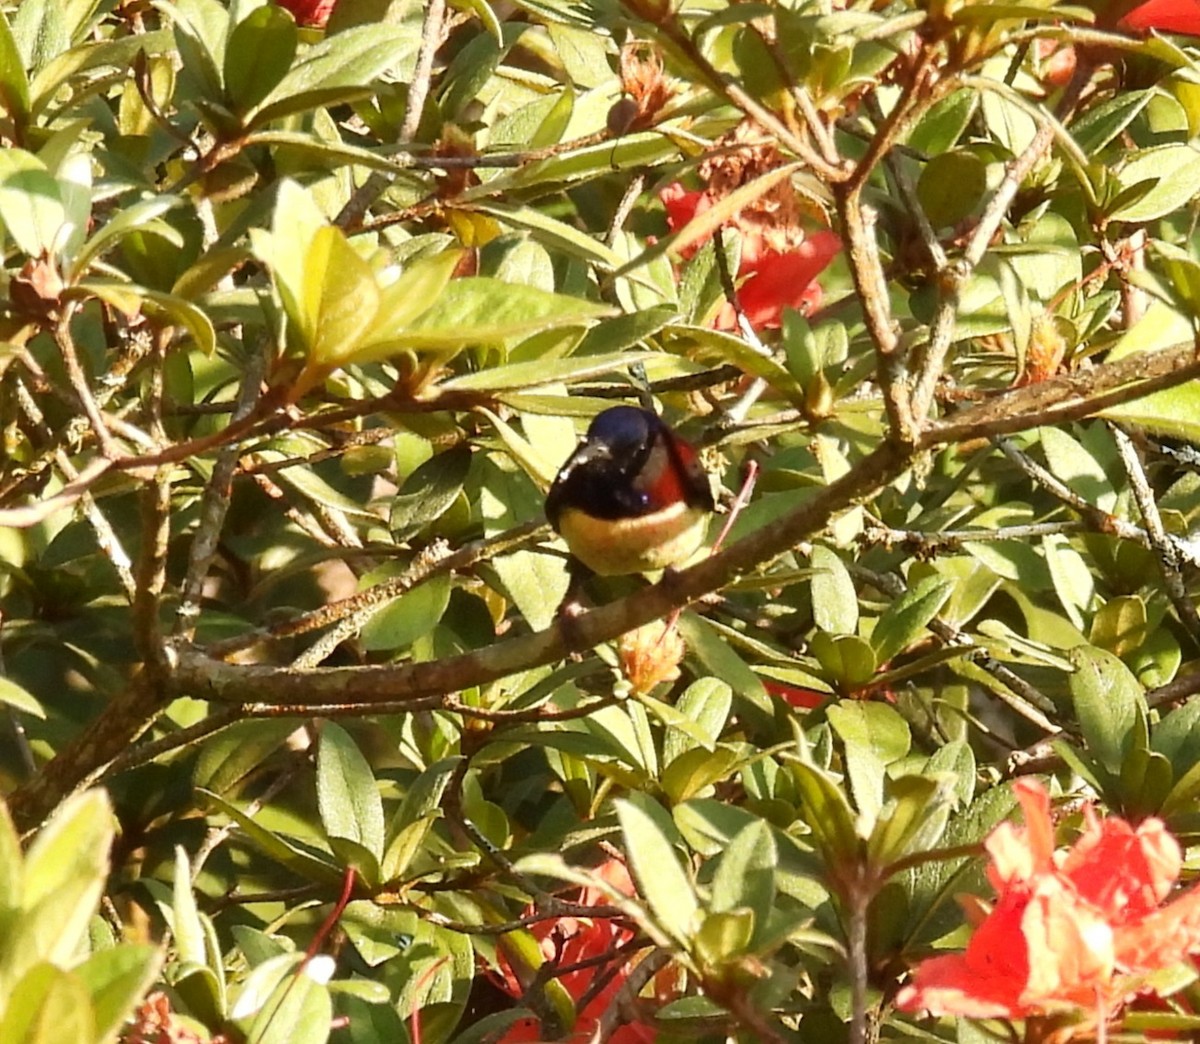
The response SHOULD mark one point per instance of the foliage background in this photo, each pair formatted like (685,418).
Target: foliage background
(299,324)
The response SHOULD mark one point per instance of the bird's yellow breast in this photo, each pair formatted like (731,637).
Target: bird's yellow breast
(612,547)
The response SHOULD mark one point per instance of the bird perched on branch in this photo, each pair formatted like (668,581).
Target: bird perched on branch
(632,497)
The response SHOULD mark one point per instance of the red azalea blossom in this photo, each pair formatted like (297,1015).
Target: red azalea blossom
(570,940)
(1169,16)
(314,13)
(805,699)
(775,279)
(1074,929)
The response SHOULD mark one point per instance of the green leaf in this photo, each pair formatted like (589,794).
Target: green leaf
(201,27)
(41,31)
(19,699)
(483,11)
(119,52)
(723,936)
(834,599)
(1174,412)
(65,870)
(828,814)
(430,491)
(401,302)
(695,770)
(340,302)
(871,726)
(415,613)
(912,820)
(543,372)
(1174,173)
(875,736)
(185,916)
(298,1010)
(951,186)
(14,83)
(12,886)
(117,979)
(722,661)
(338,69)
(848,660)
(1177,735)
(1072,579)
(942,125)
(1108,704)
(31,205)
(479,310)
(164,309)
(258,55)
(550,232)
(737,352)
(706,704)
(667,888)
(233,754)
(904,619)
(1181,800)
(1100,124)
(1078,467)
(347,795)
(300,862)
(137,215)
(745,875)
(630,152)
(1120,626)
(48,1006)
(708,825)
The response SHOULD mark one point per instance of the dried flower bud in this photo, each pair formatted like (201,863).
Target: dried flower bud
(650,655)
(1047,348)
(644,83)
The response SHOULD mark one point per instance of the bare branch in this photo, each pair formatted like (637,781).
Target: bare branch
(1165,551)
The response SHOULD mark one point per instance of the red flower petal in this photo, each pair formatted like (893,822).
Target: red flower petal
(778,281)
(681,207)
(1170,16)
(309,12)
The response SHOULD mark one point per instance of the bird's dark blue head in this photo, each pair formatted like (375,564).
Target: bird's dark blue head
(623,429)
(630,464)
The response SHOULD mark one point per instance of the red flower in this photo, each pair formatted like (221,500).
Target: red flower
(774,277)
(313,13)
(1072,929)
(572,940)
(805,699)
(1171,16)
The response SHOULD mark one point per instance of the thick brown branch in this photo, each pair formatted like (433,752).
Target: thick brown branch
(199,675)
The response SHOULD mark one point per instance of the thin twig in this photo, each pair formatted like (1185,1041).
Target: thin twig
(950,541)
(75,490)
(1165,552)
(373,598)
(213,507)
(1068,397)
(675,34)
(1175,691)
(635,981)
(1097,518)
(738,412)
(858,223)
(418,90)
(79,382)
(1032,704)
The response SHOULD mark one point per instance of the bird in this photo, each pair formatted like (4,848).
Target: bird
(632,497)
